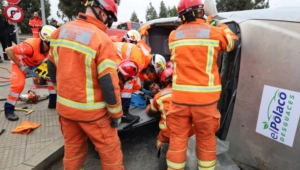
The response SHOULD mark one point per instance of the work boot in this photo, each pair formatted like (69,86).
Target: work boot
(162,163)
(11,116)
(1,61)
(52,101)
(129,118)
(9,112)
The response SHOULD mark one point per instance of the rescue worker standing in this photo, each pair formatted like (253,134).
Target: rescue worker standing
(35,23)
(82,64)
(30,53)
(3,36)
(196,86)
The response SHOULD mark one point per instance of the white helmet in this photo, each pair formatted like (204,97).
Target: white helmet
(46,32)
(132,36)
(159,63)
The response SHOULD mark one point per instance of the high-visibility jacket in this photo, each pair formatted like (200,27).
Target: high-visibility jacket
(161,103)
(35,23)
(86,73)
(30,52)
(130,87)
(131,51)
(194,48)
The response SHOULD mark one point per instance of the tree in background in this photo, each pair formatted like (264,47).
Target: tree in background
(172,12)
(118,2)
(163,12)
(29,7)
(69,9)
(239,5)
(134,17)
(1,5)
(151,13)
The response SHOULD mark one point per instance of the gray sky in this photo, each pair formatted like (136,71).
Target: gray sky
(139,6)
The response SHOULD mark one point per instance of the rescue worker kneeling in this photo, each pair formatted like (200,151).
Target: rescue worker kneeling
(160,105)
(24,56)
(127,69)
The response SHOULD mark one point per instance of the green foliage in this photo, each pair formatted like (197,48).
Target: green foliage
(239,5)
(29,7)
(172,12)
(118,2)
(134,17)
(1,5)
(163,12)
(151,13)
(69,9)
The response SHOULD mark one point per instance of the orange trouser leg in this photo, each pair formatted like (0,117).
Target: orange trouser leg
(179,123)
(206,122)
(75,141)
(103,136)
(162,137)
(17,80)
(107,143)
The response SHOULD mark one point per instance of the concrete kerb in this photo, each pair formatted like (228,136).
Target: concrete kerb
(45,157)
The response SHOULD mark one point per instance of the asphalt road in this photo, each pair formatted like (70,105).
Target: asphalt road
(138,146)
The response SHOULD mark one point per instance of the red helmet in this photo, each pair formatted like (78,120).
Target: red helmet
(128,68)
(170,64)
(166,75)
(110,6)
(185,6)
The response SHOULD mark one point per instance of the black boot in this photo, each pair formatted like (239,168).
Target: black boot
(1,61)
(5,57)
(52,101)
(129,118)
(162,163)
(9,112)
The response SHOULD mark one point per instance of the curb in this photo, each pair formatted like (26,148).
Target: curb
(44,158)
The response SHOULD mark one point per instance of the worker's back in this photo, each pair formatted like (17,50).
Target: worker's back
(82,53)
(194,50)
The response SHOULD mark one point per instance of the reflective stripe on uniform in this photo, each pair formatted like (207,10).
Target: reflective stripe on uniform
(74,46)
(119,49)
(173,165)
(90,54)
(13,94)
(189,88)
(106,64)
(206,165)
(114,110)
(11,102)
(210,56)
(209,64)
(162,109)
(229,39)
(128,51)
(82,106)
(126,94)
(55,55)
(190,42)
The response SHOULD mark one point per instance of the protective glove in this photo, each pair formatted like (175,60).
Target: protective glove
(115,122)
(25,69)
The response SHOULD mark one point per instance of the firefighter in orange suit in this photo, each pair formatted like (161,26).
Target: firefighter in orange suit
(24,56)
(196,86)
(82,64)
(160,105)
(35,23)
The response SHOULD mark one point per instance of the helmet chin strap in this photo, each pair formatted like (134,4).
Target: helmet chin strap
(106,22)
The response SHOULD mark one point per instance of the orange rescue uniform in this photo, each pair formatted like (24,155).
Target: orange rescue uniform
(35,23)
(161,104)
(88,93)
(29,53)
(196,88)
(131,51)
